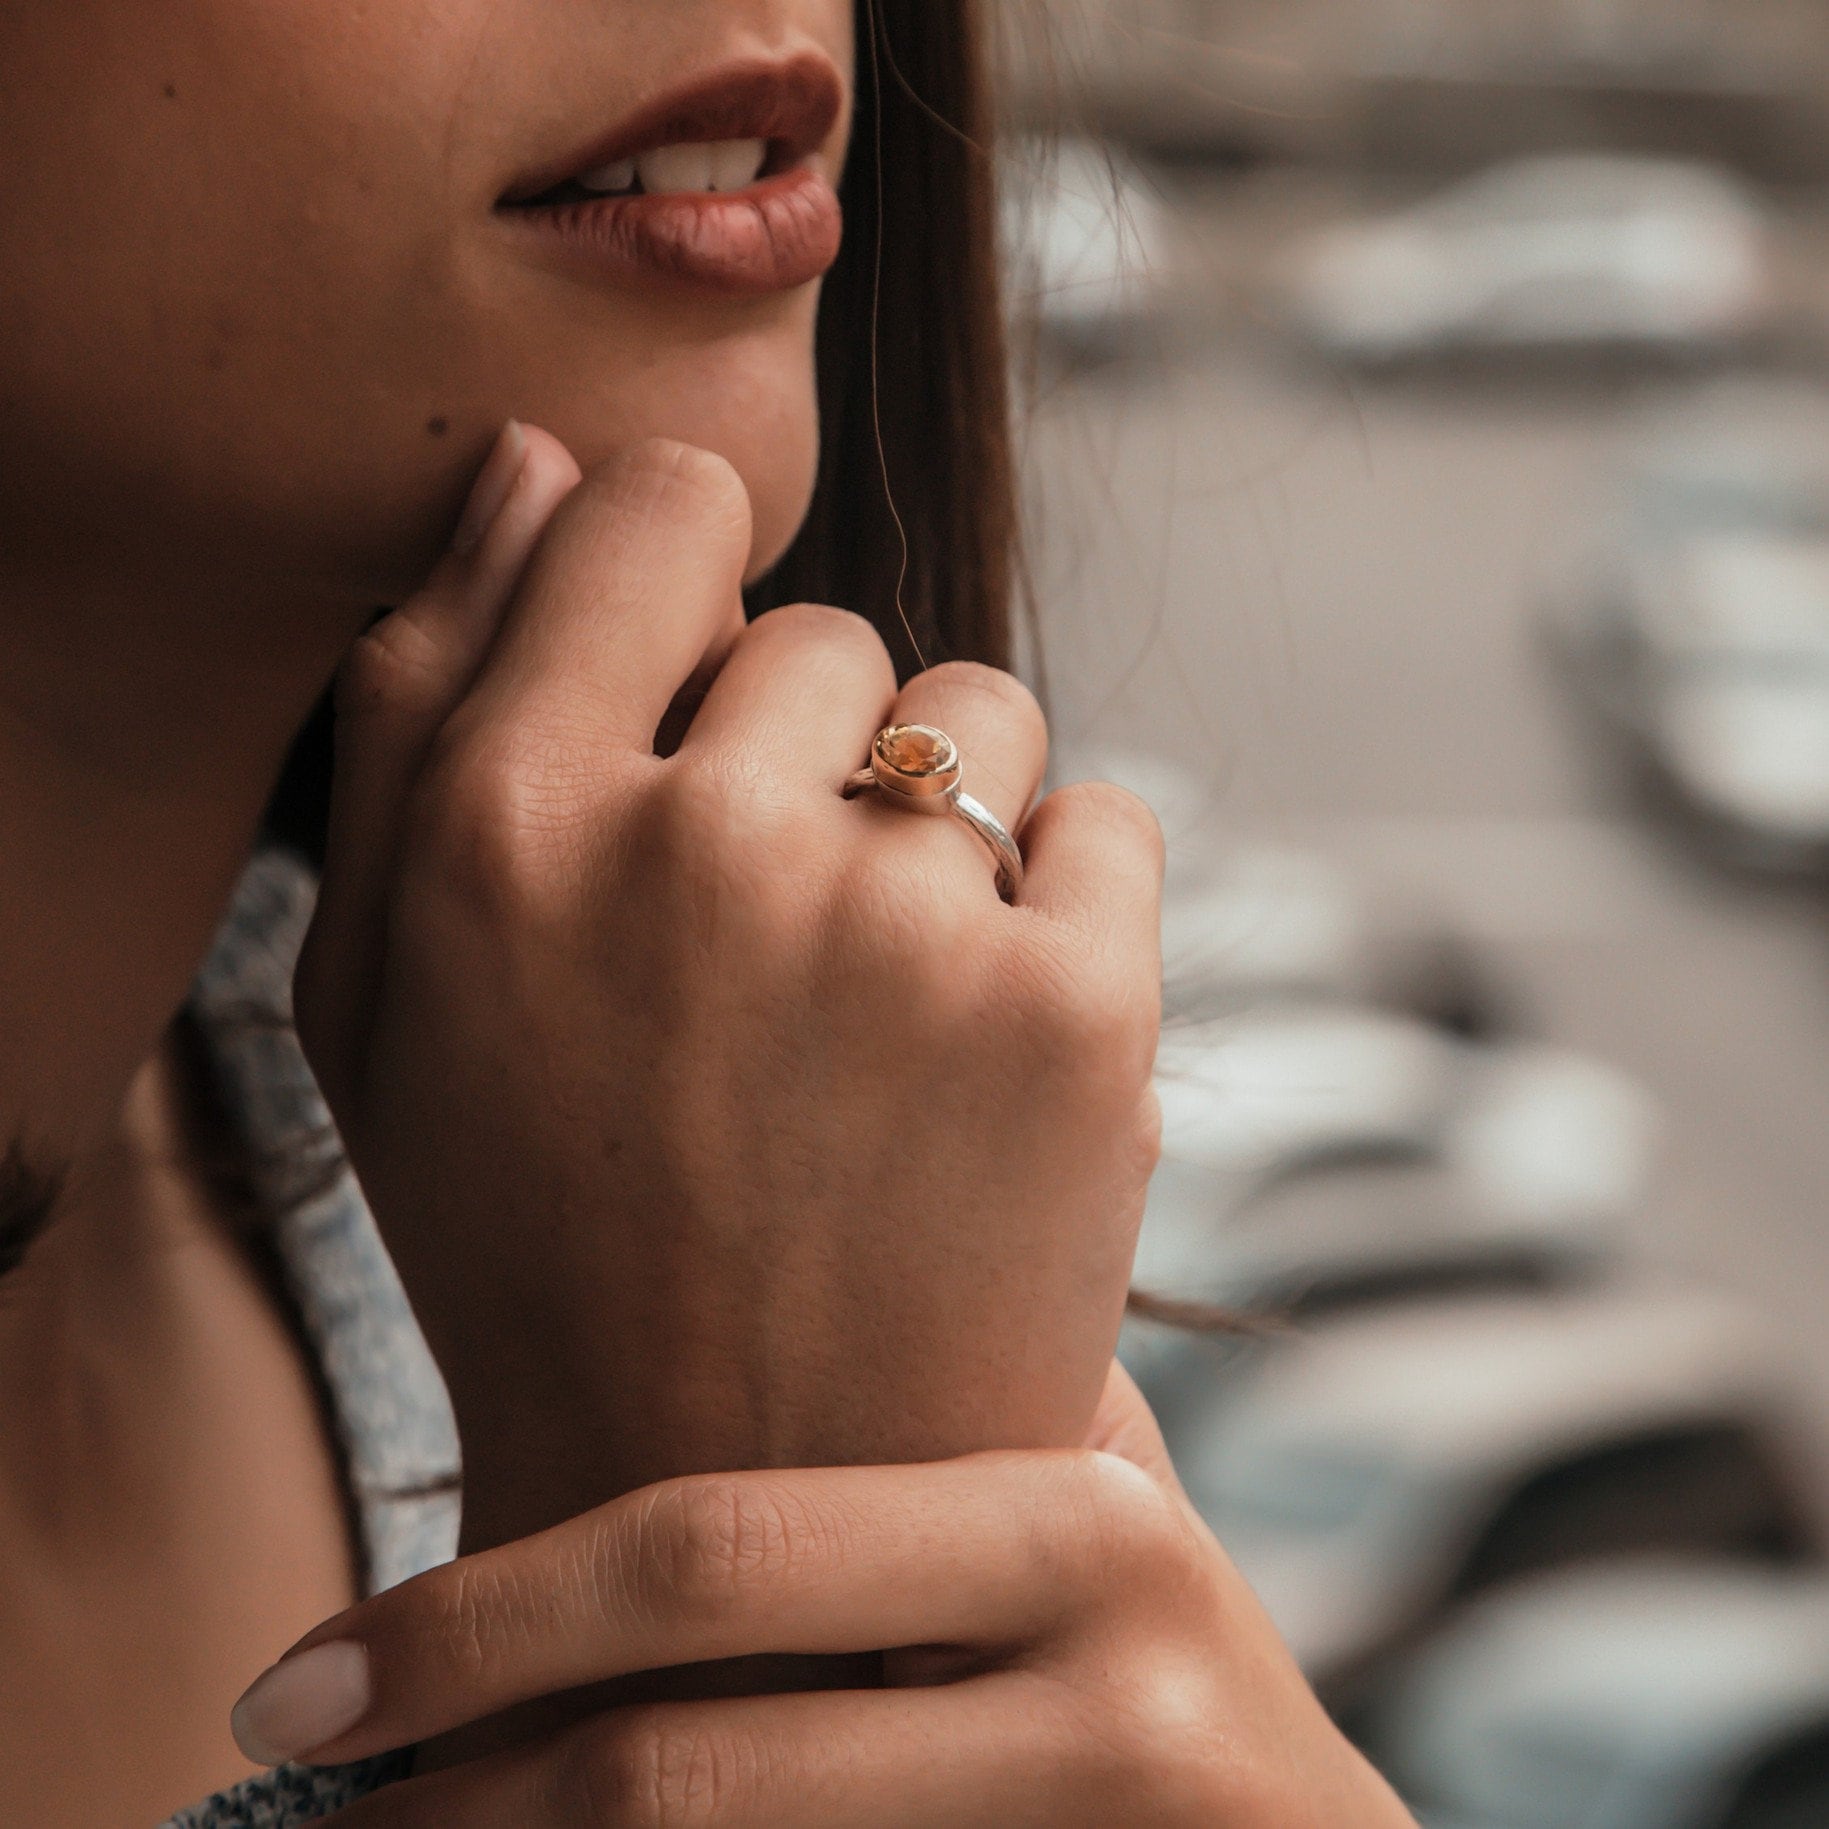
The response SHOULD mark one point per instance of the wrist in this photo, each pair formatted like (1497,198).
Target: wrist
(554,1423)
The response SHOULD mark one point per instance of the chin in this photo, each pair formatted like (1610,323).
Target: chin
(759,414)
(778,469)
(780,485)
(779,513)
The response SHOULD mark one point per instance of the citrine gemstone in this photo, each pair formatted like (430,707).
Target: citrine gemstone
(916,750)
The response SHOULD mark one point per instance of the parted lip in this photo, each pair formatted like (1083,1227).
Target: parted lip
(793,103)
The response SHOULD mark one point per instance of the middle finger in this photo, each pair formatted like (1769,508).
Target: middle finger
(802,693)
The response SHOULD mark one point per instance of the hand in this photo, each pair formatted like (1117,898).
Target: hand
(1093,1660)
(714,1120)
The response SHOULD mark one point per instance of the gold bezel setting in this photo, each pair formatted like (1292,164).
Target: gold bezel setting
(916,761)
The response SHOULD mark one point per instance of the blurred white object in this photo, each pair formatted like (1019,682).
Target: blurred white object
(1267,1088)
(1549,1136)
(1379,1464)
(1269,922)
(1742,707)
(1343,1157)
(1247,924)
(1661,1695)
(1576,251)
(1525,1129)
(1696,622)
(1086,239)
(1530,1127)
(1252,1101)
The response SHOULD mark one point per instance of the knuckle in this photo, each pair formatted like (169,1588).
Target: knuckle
(904,924)
(1097,1010)
(1145,1744)
(648,1769)
(973,681)
(841,644)
(689,466)
(822,623)
(1117,811)
(1170,1709)
(1123,1519)
(712,805)
(477,841)
(394,665)
(497,819)
(459,1618)
(731,844)
(1112,1753)
(709,1543)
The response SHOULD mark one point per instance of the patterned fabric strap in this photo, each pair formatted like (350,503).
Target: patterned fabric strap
(393,1419)
(291,1795)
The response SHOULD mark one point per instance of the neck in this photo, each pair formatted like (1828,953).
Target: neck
(143,1367)
(170,1503)
(89,1322)
(142,724)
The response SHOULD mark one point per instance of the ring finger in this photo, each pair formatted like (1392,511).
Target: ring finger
(998,729)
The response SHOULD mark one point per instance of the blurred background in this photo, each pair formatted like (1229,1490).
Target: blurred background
(1428,463)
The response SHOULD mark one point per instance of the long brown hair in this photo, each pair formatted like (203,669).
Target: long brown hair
(913,522)
(913,519)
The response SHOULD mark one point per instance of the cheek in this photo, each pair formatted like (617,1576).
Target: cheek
(282,332)
(325,412)
(209,270)
(598,379)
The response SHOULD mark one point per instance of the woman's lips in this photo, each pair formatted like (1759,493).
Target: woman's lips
(779,233)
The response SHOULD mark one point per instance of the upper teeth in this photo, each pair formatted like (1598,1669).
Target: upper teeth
(721,165)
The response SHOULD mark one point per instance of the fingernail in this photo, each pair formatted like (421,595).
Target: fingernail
(493,483)
(302,1702)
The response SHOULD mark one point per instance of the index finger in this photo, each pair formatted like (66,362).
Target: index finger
(638,579)
(990,1550)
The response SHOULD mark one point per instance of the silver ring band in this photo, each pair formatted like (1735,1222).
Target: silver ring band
(996,835)
(916,767)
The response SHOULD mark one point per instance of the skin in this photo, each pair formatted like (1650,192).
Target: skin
(261,335)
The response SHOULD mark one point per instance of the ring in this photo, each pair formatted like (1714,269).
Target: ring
(916,767)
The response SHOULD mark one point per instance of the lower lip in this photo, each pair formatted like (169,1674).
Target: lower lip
(779,234)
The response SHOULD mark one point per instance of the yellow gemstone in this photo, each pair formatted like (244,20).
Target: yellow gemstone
(916,750)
